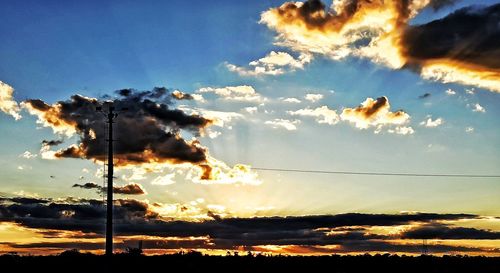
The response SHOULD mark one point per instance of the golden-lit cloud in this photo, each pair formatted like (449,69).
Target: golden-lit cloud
(359,28)
(50,116)
(274,63)
(376,113)
(379,30)
(447,72)
(179,95)
(251,109)
(218,118)
(218,172)
(7,103)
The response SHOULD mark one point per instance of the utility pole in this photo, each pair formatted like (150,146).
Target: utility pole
(109,204)
(110,116)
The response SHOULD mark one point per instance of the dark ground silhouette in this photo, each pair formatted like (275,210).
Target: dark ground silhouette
(72,261)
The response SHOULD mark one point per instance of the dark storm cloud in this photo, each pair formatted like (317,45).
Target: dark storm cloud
(470,35)
(446,232)
(84,215)
(52,142)
(24,200)
(213,215)
(424,96)
(138,218)
(131,189)
(88,185)
(147,132)
(349,232)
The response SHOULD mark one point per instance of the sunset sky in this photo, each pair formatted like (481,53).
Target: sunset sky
(217,91)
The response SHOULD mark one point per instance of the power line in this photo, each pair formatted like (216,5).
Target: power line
(379,173)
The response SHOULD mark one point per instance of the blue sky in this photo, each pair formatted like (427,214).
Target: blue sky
(51,51)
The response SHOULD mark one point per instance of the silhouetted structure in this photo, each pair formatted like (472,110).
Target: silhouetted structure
(110,115)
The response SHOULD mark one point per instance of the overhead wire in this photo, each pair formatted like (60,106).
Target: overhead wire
(461,175)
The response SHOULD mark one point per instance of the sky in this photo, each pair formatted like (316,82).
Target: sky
(216,92)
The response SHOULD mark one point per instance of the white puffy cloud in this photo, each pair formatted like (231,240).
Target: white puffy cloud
(236,93)
(251,109)
(450,92)
(28,155)
(291,100)
(274,63)
(478,108)
(7,103)
(430,123)
(402,130)
(290,125)
(322,114)
(313,97)
(212,133)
